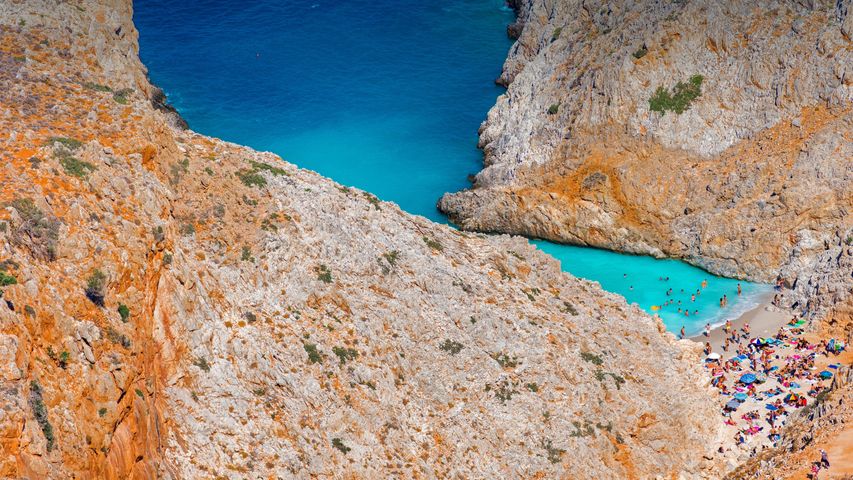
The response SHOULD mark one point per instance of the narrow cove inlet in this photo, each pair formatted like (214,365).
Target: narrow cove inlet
(389,104)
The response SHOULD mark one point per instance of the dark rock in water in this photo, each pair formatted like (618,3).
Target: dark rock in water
(160,102)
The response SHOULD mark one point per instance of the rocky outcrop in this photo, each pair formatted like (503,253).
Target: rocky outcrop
(175,306)
(716,132)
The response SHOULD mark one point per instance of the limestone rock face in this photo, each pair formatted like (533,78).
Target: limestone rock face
(175,306)
(593,144)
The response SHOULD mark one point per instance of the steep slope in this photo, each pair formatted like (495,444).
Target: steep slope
(717,132)
(175,306)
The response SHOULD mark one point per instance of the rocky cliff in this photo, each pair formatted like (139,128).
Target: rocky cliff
(717,132)
(175,306)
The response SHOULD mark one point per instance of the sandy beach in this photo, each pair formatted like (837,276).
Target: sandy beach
(764,320)
(749,421)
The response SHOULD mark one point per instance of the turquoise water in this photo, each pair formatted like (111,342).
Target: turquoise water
(383,95)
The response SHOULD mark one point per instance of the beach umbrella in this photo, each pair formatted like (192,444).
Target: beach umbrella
(771,407)
(740,396)
(747,379)
(826,374)
(732,405)
(791,397)
(713,356)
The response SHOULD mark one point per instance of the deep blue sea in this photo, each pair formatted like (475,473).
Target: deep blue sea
(384,95)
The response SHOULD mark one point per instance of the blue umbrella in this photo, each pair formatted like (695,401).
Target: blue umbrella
(826,374)
(748,378)
(771,407)
(733,405)
(740,396)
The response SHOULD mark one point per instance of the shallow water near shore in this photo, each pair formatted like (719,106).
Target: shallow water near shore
(382,95)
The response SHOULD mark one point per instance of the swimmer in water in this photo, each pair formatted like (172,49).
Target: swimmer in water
(738,289)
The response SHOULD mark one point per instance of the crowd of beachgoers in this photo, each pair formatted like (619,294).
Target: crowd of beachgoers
(763,379)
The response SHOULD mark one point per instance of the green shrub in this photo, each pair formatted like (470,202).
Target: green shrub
(40,412)
(553,109)
(433,244)
(339,444)
(102,411)
(124,312)
(7,279)
(139,393)
(314,356)
(36,232)
(505,360)
(251,179)
(554,454)
(373,200)
(96,286)
(641,52)
(680,99)
(76,167)
(345,354)
(533,387)
(64,358)
(592,358)
(70,143)
(167,258)
(201,363)
(556,33)
(117,337)
(323,273)
(451,347)
(120,96)
(96,87)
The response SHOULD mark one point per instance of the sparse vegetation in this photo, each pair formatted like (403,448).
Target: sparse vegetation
(96,87)
(584,429)
(40,412)
(201,363)
(504,391)
(533,387)
(124,312)
(681,97)
(339,444)
(553,109)
(553,453)
(390,261)
(556,33)
(641,52)
(70,143)
(373,200)
(117,337)
(139,393)
(167,258)
(345,354)
(323,273)
(96,287)
(253,178)
(246,254)
(569,308)
(451,347)
(314,356)
(121,96)
(592,358)
(102,412)
(600,375)
(433,244)
(76,167)
(63,360)
(505,360)
(36,232)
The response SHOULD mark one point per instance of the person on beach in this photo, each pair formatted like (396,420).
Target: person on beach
(738,289)
(824,459)
(707,329)
(746,330)
(726,345)
(682,330)
(725,301)
(707,349)
(721,302)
